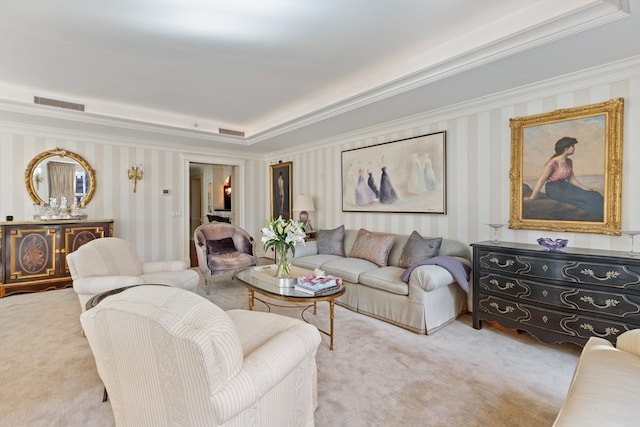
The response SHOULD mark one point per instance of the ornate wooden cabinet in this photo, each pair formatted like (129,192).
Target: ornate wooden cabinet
(34,253)
(565,296)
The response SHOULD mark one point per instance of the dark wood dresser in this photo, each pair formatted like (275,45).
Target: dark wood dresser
(566,296)
(33,253)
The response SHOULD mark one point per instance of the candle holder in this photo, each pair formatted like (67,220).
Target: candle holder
(632,234)
(495,232)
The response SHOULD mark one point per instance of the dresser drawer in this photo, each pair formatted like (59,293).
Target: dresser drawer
(546,267)
(592,273)
(610,303)
(531,318)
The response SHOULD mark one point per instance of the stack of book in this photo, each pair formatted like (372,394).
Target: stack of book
(314,285)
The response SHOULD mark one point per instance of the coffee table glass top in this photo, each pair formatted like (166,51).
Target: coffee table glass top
(263,279)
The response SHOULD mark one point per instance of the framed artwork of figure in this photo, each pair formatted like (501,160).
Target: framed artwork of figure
(566,169)
(407,175)
(281,190)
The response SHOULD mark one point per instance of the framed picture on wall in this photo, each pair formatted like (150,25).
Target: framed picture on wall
(281,190)
(408,175)
(566,169)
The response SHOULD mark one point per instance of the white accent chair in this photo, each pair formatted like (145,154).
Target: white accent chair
(171,357)
(110,263)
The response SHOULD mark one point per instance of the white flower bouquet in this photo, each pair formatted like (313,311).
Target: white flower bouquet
(283,236)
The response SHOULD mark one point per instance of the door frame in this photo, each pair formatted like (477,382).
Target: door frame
(238,199)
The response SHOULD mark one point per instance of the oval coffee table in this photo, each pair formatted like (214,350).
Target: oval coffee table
(260,280)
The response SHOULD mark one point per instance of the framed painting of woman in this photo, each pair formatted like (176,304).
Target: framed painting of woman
(566,169)
(281,190)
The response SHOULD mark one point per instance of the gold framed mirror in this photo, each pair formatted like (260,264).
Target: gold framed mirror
(40,180)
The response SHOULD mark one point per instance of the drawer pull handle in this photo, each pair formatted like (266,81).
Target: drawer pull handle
(508,285)
(608,303)
(507,263)
(507,309)
(608,275)
(607,331)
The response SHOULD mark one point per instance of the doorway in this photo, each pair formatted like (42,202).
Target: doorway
(210,198)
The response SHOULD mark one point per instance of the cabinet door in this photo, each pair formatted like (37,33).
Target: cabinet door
(32,252)
(77,235)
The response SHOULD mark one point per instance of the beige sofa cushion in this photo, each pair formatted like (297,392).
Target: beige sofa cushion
(386,279)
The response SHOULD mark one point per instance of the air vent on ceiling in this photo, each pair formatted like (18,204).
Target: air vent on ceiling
(230,132)
(57,103)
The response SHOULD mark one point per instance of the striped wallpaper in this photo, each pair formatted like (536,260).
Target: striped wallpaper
(478,158)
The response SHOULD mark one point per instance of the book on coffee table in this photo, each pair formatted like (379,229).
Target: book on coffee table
(317,284)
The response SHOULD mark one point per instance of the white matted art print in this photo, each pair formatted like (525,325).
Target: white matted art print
(404,176)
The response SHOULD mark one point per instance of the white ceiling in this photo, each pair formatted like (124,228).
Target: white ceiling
(285,71)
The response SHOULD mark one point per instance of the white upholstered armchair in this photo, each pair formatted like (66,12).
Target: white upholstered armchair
(171,357)
(109,263)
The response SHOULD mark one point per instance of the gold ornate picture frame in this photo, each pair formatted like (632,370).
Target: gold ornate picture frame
(281,190)
(593,165)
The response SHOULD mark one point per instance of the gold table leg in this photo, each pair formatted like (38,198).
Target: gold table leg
(331,305)
(250,299)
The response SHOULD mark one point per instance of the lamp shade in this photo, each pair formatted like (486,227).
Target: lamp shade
(303,203)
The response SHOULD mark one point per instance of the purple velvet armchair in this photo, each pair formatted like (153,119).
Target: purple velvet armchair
(222,249)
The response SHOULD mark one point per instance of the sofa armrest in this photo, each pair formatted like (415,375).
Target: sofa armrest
(160,266)
(430,277)
(264,368)
(629,342)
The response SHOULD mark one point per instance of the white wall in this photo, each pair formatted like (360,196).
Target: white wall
(478,161)
(157,224)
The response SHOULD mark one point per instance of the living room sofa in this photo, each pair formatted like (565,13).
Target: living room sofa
(372,266)
(605,389)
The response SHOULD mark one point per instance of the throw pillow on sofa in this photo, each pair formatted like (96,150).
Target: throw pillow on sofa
(331,242)
(374,247)
(418,249)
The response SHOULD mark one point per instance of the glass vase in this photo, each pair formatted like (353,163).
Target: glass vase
(283,262)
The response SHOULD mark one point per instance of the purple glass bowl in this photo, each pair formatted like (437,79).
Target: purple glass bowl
(553,245)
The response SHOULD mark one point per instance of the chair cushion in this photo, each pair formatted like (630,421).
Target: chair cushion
(221,246)
(331,242)
(372,246)
(230,261)
(185,279)
(418,249)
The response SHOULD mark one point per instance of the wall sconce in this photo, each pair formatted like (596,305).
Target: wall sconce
(37,178)
(304,204)
(135,173)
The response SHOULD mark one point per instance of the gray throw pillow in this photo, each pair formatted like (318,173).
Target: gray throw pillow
(331,242)
(418,249)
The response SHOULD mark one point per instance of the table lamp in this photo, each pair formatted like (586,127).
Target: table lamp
(304,205)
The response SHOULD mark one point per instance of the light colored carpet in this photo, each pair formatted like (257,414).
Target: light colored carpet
(378,375)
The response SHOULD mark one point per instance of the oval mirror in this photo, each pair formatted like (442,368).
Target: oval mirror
(60,173)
